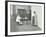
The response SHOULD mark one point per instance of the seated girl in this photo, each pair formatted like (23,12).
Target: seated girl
(18,18)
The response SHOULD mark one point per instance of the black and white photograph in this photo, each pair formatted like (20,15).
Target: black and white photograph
(25,18)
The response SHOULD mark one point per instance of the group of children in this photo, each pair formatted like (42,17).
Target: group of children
(34,19)
(18,19)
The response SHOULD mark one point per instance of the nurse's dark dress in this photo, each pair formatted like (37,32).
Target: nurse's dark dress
(34,21)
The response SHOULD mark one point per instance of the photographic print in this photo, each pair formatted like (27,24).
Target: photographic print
(25,18)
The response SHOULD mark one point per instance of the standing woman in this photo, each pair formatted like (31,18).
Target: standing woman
(34,21)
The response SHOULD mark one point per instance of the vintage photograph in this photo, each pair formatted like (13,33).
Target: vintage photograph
(25,17)
(22,18)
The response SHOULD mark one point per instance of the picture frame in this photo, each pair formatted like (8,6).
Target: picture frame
(8,13)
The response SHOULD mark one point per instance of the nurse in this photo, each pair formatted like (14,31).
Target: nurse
(35,19)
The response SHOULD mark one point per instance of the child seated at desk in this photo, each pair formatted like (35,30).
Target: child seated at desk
(18,19)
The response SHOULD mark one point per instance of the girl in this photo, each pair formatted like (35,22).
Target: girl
(18,18)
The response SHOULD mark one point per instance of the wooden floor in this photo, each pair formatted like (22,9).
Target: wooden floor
(15,27)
